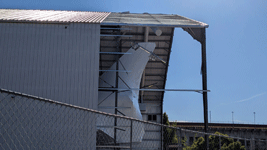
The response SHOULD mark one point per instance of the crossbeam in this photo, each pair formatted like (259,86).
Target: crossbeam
(161,90)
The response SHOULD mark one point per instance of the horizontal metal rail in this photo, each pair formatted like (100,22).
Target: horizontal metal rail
(159,90)
(116,35)
(111,146)
(108,107)
(81,108)
(114,126)
(115,70)
(114,53)
(116,28)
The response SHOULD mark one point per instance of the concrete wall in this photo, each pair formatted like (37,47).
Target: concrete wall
(53,61)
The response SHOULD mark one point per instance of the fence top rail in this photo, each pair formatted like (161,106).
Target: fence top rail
(109,114)
(81,108)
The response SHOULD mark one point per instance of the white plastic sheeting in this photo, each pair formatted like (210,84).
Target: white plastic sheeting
(127,101)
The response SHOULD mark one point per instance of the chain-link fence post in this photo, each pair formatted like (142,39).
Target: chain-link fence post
(219,142)
(251,144)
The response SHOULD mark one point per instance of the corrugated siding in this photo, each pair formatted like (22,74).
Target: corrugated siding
(59,62)
(57,16)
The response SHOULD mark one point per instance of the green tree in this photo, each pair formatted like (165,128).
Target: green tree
(166,119)
(198,144)
(169,134)
(174,136)
(227,143)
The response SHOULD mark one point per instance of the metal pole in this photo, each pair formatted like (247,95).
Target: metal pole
(232,117)
(210,116)
(251,144)
(158,90)
(246,143)
(131,136)
(204,86)
(254,117)
(116,94)
(181,143)
(220,142)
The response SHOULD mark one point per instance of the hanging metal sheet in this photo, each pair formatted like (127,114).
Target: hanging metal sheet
(136,62)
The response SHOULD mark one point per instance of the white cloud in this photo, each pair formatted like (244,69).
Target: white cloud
(246,99)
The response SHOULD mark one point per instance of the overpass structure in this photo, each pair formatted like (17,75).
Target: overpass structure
(253,133)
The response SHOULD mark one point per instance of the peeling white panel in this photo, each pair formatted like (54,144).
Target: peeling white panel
(135,64)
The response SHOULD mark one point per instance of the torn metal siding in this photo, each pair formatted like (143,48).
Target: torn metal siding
(51,16)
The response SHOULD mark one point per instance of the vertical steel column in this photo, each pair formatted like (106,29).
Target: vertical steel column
(131,136)
(116,92)
(204,86)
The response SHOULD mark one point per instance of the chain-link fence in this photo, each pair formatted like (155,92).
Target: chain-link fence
(28,122)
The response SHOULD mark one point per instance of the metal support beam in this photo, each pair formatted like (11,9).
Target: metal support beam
(146,34)
(115,29)
(131,135)
(158,90)
(110,107)
(113,35)
(136,40)
(126,71)
(116,92)
(114,53)
(204,86)
(128,47)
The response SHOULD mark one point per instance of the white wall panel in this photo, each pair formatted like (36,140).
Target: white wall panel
(53,61)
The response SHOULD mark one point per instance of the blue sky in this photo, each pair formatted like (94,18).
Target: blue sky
(236,53)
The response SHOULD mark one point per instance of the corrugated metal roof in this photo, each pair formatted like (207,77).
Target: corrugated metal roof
(55,16)
(151,20)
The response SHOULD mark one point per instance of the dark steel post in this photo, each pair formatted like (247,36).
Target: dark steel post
(204,86)
(220,143)
(251,144)
(116,92)
(131,136)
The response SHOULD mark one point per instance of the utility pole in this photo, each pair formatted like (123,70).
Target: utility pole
(233,117)
(254,117)
(210,116)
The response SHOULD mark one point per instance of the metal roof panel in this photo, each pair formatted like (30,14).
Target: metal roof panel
(146,19)
(55,16)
